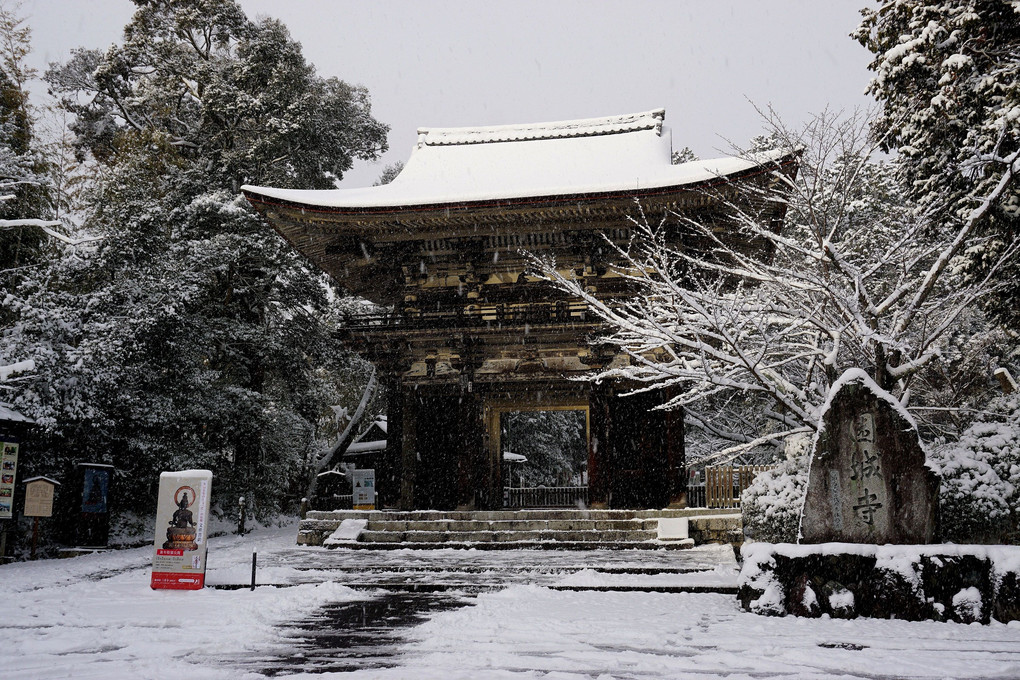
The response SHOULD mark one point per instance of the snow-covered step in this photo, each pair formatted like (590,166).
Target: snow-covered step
(637,524)
(372,536)
(529,528)
(520,545)
(515,515)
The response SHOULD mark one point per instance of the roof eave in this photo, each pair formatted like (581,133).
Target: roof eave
(256,197)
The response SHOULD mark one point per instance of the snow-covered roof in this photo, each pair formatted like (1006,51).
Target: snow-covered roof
(565,158)
(586,127)
(10,415)
(365,447)
(40,479)
(380,422)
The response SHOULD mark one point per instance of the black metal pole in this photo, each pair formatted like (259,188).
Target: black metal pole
(254,559)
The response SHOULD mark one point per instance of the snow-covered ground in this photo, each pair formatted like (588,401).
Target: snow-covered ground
(495,615)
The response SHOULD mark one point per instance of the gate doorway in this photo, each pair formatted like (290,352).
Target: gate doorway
(543,452)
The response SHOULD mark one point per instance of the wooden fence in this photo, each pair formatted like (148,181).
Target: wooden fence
(696,496)
(545,497)
(723,485)
(334,502)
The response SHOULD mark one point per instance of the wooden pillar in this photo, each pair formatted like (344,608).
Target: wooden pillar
(599,451)
(408,447)
(390,477)
(472,463)
(490,483)
(676,458)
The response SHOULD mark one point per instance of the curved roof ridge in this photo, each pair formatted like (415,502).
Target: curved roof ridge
(585,127)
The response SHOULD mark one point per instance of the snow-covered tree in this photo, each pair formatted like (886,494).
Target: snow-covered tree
(389,173)
(770,506)
(947,74)
(191,335)
(749,339)
(554,443)
(980,491)
(22,171)
(684,155)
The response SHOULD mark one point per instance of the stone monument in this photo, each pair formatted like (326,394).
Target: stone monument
(869,482)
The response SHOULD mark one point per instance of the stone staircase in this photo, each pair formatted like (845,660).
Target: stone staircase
(516,529)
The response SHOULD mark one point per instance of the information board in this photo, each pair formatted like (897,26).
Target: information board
(182,516)
(39,497)
(8,470)
(363,482)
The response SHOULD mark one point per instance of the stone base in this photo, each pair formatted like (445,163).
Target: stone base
(720,528)
(966,584)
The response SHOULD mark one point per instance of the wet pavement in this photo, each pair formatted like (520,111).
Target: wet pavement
(350,636)
(404,588)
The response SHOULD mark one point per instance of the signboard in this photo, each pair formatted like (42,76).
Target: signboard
(363,482)
(95,488)
(182,516)
(39,497)
(8,469)
(93,522)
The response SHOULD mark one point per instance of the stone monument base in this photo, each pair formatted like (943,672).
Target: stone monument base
(963,583)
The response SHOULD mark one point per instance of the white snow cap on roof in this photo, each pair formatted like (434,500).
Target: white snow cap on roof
(9,414)
(566,158)
(586,127)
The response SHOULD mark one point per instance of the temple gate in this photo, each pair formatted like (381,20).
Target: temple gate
(466,333)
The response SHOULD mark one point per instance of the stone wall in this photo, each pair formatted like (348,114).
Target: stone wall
(914,582)
(725,528)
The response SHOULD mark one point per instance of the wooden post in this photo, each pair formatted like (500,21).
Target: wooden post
(598,447)
(408,447)
(35,535)
(676,458)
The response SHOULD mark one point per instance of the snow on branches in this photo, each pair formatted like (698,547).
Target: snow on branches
(947,75)
(751,331)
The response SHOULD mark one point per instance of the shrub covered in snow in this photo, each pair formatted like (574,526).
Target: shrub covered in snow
(962,583)
(771,505)
(967,605)
(980,489)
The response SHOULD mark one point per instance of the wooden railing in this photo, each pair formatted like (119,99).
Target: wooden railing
(545,497)
(334,502)
(725,483)
(558,312)
(696,496)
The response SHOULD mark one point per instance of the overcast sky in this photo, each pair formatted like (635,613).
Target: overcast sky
(459,63)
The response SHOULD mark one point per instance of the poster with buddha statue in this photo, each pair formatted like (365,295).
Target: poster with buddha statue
(182,514)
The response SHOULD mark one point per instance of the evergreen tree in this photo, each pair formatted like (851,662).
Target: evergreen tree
(684,155)
(947,74)
(389,174)
(22,181)
(200,339)
(554,442)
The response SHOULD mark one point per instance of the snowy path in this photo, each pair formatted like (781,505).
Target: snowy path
(95,617)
